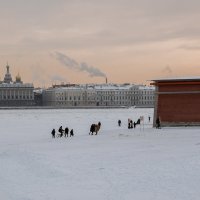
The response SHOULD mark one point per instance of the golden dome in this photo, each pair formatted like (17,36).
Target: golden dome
(18,78)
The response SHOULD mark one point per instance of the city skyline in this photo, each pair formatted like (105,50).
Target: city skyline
(84,42)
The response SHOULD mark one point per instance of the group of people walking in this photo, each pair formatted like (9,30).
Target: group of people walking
(95,128)
(131,124)
(62,132)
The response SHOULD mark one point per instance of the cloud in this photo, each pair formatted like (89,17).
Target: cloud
(95,24)
(190,47)
(73,64)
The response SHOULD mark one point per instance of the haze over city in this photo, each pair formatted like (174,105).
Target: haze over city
(74,41)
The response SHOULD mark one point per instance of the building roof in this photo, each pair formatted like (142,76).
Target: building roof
(144,87)
(177,79)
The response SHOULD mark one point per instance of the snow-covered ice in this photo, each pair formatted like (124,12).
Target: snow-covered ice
(117,164)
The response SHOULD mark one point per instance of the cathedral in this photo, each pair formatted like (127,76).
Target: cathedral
(15,93)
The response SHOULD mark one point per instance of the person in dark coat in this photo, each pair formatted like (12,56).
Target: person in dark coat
(60,130)
(66,131)
(99,124)
(131,124)
(158,123)
(92,129)
(119,122)
(53,133)
(134,124)
(71,133)
(138,121)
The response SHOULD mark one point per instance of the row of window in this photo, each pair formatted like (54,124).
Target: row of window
(148,98)
(61,101)
(69,98)
(147,103)
(106,98)
(73,103)
(128,93)
(12,97)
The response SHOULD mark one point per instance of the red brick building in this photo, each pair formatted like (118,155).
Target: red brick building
(177,101)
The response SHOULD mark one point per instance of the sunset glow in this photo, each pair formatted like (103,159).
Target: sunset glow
(76,41)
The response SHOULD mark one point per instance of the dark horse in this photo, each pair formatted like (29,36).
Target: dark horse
(95,128)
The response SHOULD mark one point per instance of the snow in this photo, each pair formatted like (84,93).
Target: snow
(117,164)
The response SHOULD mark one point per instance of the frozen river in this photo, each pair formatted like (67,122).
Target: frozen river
(117,164)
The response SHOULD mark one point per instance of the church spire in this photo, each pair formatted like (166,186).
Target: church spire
(7,78)
(7,66)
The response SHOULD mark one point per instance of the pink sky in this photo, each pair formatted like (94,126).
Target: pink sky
(125,41)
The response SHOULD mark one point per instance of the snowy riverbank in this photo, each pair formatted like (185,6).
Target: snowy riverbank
(118,164)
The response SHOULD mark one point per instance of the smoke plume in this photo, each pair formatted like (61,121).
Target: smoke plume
(73,64)
(167,70)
